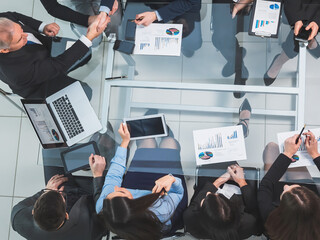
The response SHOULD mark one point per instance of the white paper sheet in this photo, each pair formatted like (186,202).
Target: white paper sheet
(302,154)
(266,18)
(158,39)
(217,145)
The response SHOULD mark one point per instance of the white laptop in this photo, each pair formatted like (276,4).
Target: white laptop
(63,118)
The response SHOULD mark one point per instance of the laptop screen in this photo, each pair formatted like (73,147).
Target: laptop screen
(43,123)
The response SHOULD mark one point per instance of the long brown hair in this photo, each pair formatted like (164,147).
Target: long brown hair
(297,217)
(131,219)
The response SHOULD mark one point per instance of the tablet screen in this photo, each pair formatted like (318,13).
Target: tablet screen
(145,127)
(78,158)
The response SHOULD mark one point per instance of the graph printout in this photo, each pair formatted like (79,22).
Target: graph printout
(301,158)
(158,39)
(266,18)
(217,145)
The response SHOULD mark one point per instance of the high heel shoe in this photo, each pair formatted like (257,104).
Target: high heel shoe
(243,121)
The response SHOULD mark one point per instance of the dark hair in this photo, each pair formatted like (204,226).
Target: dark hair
(220,217)
(49,211)
(297,217)
(131,219)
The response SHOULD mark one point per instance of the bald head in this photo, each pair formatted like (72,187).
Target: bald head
(6,32)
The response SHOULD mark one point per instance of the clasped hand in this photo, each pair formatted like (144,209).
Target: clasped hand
(163,183)
(313,26)
(51,30)
(55,182)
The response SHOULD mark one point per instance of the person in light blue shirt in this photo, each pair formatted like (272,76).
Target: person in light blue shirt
(134,213)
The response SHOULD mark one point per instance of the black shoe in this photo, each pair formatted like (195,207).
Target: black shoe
(243,121)
(269,80)
(239,81)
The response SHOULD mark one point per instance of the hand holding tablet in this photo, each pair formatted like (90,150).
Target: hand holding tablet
(149,126)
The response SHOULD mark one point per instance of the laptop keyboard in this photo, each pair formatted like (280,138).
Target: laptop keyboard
(68,116)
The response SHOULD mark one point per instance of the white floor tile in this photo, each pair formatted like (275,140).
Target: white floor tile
(10,130)
(40,13)
(24,7)
(29,176)
(6,107)
(5,203)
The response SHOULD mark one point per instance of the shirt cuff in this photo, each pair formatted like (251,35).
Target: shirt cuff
(41,27)
(85,41)
(121,152)
(104,9)
(159,18)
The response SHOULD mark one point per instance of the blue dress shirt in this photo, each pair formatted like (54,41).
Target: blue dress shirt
(163,208)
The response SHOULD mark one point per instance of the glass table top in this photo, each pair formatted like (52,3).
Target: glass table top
(216,49)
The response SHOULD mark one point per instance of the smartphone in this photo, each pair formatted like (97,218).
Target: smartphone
(130,30)
(303,34)
(124,46)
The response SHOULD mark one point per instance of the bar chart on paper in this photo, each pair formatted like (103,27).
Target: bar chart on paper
(214,141)
(216,145)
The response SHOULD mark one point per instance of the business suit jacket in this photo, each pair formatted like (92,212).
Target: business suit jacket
(270,188)
(246,202)
(83,223)
(296,10)
(62,12)
(31,71)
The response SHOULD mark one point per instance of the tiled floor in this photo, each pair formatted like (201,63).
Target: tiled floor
(22,174)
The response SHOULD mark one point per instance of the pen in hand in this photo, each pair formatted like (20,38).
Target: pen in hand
(138,19)
(297,140)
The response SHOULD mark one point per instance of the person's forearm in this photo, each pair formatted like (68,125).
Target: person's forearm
(62,12)
(177,8)
(217,183)
(292,9)
(125,143)
(25,20)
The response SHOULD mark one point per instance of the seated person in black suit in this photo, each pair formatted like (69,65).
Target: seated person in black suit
(25,61)
(298,13)
(63,210)
(167,12)
(222,214)
(289,211)
(214,214)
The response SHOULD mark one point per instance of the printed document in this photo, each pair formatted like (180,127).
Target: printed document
(266,18)
(301,158)
(217,145)
(158,39)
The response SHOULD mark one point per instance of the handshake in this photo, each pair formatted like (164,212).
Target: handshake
(97,25)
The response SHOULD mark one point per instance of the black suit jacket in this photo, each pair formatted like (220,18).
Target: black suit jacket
(62,12)
(83,223)
(270,188)
(247,204)
(296,10)
(31,71)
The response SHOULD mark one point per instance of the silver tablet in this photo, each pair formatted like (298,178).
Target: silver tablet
(149,126)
